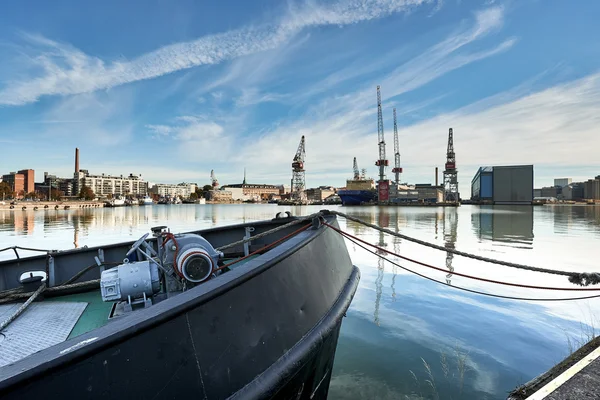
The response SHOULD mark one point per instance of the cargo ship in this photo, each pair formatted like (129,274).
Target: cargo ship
(359,189)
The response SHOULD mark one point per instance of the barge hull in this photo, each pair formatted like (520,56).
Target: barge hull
(268,329)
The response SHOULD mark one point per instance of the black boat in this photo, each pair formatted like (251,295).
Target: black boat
(179,317)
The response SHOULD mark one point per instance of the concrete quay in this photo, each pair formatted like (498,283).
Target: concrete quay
(48,205)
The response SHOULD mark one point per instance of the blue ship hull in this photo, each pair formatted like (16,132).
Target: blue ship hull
(356,197)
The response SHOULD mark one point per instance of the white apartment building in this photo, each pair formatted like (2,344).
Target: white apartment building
(183,190)
(103,185)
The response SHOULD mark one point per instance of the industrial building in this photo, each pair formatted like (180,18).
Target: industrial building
(503,185)
(319,194)
(591,189)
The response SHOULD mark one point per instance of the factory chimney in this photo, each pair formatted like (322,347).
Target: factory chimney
(436,176)
(76,160)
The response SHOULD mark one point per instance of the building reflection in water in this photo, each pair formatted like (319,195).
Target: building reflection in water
(506,225)
(450,224)
(567,217)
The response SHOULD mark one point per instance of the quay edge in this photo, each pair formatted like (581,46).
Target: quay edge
(580,383)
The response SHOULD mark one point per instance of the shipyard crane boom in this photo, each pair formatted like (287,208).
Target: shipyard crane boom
(213,178)
(298,180)
(356,171)
(382,162)
(450,172)
(397,169)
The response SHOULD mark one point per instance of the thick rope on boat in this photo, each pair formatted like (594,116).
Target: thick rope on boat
(24,248)
(578,278)
(270,231)
(20,310)
(92,284)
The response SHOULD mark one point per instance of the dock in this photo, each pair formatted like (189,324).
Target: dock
(576,377)
(48,205)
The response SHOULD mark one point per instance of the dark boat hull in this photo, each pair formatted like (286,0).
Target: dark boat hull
(356,197)
(266,330)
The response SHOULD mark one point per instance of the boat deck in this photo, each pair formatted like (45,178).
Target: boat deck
(56,319)
(576,377)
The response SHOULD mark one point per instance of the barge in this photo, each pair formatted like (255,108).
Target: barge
(174,315)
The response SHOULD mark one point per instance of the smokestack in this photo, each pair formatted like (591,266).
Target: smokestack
(76,160)
(436,176)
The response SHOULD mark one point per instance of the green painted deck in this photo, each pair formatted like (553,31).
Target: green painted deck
(97,311)
(95,314)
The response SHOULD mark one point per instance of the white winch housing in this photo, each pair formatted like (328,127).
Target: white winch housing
(130,281)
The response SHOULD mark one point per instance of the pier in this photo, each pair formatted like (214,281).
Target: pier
(49,205)
(576,377)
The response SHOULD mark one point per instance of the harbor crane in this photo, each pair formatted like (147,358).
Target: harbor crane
(450,172)
(298,180)
(397,170)
(382,163)
(356,171)
(213,178)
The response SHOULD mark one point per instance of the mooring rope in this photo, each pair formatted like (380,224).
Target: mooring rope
(579,278)
(24,248)
(20,310)
(260,235)
(355,239)
(471,290)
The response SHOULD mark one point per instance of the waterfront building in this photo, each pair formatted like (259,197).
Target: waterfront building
(503,185)
(562,182)
(16,182)
(591,190)
(320,193)
(573,191)
(221,195)
(251,190)
(183,190)
(104,185)
(20,182)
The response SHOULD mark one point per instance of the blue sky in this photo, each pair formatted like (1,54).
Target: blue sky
(173,89)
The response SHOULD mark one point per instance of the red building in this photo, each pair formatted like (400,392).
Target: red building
(21,182)
(29,181)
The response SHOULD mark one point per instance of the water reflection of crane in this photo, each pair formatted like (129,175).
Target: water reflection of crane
(397,251)
(450,228)
(383,221)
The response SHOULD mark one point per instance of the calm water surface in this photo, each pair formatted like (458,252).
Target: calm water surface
(406,337)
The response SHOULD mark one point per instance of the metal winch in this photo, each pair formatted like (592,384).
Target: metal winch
(181,261)
(191,256)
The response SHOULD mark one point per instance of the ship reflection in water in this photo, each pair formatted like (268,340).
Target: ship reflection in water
(398,320)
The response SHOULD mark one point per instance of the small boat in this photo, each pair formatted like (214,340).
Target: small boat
(146,201)
(188,315)
(117,202)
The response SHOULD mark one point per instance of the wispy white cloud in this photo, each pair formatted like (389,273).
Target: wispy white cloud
(160,130)
(197,139)
(338,128)
(98,119)
(67,70)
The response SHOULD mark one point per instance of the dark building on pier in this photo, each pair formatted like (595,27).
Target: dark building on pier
(503,185)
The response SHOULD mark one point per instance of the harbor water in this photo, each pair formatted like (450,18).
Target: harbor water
(406,337)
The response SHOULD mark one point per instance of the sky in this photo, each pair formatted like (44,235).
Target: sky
(174,89)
